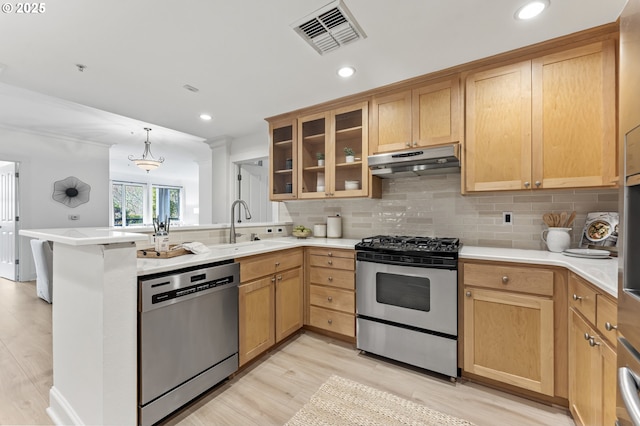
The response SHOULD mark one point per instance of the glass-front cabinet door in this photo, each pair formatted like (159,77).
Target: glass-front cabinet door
(350,172)
(282,150)
(312,156)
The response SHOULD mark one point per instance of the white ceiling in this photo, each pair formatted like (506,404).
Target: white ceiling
(243,56)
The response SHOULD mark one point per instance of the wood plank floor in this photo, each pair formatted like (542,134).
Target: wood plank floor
(269,392)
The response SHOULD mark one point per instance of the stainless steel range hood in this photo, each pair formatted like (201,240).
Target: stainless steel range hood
(436,160)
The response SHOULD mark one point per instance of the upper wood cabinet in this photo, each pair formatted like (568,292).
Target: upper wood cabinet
(282,153)
(429,115)
(544,123)
(326,135)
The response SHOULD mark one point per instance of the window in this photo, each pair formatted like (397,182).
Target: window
(138,203)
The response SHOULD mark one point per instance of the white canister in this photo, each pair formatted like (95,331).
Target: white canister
(334,227)
(320,230)
(557,239)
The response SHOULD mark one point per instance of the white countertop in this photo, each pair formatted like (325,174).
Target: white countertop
(147,266)
(83,236)
(602,273)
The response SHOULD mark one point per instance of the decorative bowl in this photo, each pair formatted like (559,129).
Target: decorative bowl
(301,234)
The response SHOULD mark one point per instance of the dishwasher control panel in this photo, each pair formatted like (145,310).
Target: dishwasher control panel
(185,291)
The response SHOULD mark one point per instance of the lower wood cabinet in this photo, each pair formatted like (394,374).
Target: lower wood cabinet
(515,326)
(592,355)
(270,307)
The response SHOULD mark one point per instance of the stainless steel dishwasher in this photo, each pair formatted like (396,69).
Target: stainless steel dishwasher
(187,336)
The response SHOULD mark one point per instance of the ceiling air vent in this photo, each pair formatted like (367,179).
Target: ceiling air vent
(329,28)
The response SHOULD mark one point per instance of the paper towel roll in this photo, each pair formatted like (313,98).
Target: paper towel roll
(334,227)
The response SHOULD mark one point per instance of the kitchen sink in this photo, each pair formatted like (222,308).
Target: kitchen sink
(247,247)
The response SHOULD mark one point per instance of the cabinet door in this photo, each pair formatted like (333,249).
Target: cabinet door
(498,126)
(289,303)
(391,122)
(349,128)
(437,114)
(608,361)
(509,337)
(256,318)
(313,132)
(282,155)
(584,372)
(574,118)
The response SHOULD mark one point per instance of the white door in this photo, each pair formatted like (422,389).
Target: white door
(254,189)
(8,220)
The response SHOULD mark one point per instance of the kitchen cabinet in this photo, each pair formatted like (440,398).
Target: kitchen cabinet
(543,123)
(592,354)
(282,155)
(330,287)
(424,116)
(509,325)
(325,136)
(270,300)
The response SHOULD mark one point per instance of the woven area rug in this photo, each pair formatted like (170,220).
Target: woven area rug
(343,402)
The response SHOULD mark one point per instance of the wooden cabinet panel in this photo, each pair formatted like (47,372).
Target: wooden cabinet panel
(574,128)
(282,157)
(509,337)
(391,122)
(264,264)
(289,303)
(608,359)
(582,297)
(334,278)
(337,322)
(607,313)
(323,251)
(256,318)
(510,278)
(582,378)
(332,262)
(332,298)
(498,128)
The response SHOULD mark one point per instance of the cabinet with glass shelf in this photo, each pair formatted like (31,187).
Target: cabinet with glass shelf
(332,135)
(282,152)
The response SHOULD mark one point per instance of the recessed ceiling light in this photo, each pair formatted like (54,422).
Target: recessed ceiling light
(345,72)
(205,117)
(531,9)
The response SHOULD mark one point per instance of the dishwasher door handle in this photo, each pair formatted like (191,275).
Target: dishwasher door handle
(629,383)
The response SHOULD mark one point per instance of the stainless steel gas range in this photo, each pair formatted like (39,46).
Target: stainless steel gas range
(407,300)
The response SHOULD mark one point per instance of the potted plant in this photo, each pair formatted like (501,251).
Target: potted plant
(349,155)
(320,157)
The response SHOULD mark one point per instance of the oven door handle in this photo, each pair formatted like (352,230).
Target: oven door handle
(629,383)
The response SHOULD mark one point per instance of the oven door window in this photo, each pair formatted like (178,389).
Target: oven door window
(403,291)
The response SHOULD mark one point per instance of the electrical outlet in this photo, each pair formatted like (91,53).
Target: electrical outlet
(74,217)
(269,230)
(280,230)
(507,218)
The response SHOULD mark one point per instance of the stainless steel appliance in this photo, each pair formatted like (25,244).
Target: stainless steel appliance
(439,159)
(407,300)
(187,336)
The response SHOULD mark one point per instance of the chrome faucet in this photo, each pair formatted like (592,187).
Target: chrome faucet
(247,215)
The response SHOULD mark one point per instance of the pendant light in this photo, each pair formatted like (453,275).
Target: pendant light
(147,162)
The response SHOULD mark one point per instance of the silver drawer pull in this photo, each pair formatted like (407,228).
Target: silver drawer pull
(592,342)
(587,336)
(610,326)
(468,294)
(330,278)
(330,321)
(576,297)
(277,263)
(505,279)
(330,262)
(330,298)
(279,277)
(329,254)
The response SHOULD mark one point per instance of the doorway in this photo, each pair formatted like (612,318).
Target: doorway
(253,187)
(8,223)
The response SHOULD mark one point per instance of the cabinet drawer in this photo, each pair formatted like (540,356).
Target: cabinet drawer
(320,251)
(606,312)
(512,278)
(582,297)
(332,298)
(337,322)
(334,278)
(332,262)
(266,264)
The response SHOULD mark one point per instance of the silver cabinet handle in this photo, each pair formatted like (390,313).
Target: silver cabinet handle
(277,263)
(330,262)
(279,277)
(609,326)
(330,278)
(576,297)
(538,183)
(505,279)
(468,294)
(273,280)
(330,299)
(527,184)
(592,342)
(407,144)
(628,382)
(330,254)
(330,321)
(587,336)
(415,143)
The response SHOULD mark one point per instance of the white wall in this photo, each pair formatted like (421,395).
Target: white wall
(44,160)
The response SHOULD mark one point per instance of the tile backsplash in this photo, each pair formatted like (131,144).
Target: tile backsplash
(433,206)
